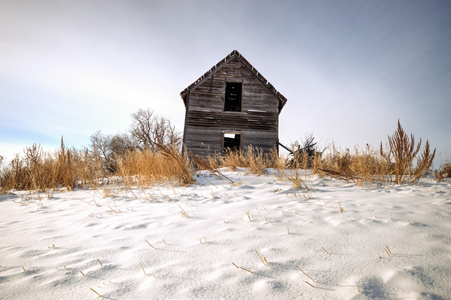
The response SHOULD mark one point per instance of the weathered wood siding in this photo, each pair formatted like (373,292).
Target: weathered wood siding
(206,119)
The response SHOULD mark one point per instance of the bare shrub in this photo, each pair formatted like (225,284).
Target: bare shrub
(403,151)
(424,163)
(443,172)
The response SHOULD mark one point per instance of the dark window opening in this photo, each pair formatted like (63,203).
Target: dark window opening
(233,96)
(232,142)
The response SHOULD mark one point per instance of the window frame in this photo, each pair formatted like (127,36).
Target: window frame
(228,102)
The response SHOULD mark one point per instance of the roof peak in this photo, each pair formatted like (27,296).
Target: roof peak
(244,61)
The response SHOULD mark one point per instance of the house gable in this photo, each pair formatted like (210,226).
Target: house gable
(236,57)
(211,94)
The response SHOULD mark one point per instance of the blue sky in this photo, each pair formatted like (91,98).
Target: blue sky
(349,69)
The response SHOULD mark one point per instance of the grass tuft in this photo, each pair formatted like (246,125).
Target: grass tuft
(305,273)
(183,213)
(242,268)
(150,244)
(100,296)
(263,259)
(142,267)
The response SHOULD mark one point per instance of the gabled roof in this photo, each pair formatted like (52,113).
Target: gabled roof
(223,62)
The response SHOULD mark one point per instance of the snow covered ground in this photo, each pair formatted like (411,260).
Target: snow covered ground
(256,239)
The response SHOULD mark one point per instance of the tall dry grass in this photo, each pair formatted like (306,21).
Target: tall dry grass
(70,168)
(359,166)
(253,159)
(145,168)
(395,163)
(39,170)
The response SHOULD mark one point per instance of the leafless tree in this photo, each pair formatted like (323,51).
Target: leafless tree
(147,128)
(121,143)
(109,147)
(100,148)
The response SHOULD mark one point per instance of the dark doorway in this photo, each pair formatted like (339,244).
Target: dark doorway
(233,96)
(231,141)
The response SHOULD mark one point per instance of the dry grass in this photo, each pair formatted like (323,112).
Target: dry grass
(247,270)
(262,258)
(394,164)
(70,168)
(253,159)
(38,170)
(142,267)
(305,273)
(100,296)
(359,166)
(145,168)
(295,177)
(183,213)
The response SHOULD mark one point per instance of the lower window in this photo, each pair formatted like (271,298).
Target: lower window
(231,141)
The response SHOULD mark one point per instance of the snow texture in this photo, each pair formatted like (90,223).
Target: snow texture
(256,239)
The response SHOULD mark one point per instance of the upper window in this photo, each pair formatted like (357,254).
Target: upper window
(233,96)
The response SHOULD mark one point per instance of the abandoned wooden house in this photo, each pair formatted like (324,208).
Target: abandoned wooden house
(231,106)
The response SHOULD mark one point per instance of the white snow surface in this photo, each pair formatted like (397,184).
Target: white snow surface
(388,242)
